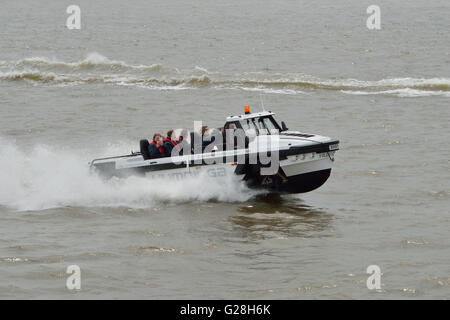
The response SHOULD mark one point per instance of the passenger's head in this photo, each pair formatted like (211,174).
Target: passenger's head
(204,130)
(170,135)
(158,139)
(217,131)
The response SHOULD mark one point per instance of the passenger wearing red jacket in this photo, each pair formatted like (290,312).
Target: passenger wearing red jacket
(169,143)
(155,148)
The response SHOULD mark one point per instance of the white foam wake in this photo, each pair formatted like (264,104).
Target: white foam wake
(48,177)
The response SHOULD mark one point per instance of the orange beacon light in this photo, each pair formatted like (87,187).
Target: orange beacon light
(247,109)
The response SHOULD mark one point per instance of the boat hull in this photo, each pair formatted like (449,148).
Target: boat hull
(302,183)
(299,166)
(296,174)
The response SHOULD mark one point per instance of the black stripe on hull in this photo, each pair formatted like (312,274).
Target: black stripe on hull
(300,183)
(306,182)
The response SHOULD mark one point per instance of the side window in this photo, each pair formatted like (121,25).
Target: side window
(232,125)
(270,126)
(245,125)
(261,126)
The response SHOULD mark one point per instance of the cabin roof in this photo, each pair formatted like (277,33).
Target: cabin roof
(249,116)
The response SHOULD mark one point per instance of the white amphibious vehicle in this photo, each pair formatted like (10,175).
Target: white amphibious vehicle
(270,156)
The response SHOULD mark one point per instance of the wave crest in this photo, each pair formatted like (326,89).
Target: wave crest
(96,68)
(92,60)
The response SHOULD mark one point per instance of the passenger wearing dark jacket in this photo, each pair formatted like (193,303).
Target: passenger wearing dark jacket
(155,148)
(170,143)
(207,139)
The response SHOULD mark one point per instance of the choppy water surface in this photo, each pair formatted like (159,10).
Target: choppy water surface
(67,96)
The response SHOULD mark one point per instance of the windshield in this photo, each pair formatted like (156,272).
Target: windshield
(259,126)
(270,125)
(250,127)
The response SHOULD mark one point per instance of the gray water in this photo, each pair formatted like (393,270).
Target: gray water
(135,68)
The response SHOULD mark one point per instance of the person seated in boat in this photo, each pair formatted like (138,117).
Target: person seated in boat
(156,149)
(216,139)
(169,143)
(207,139)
